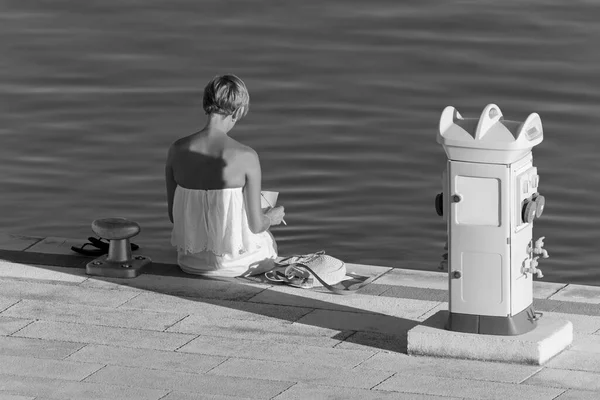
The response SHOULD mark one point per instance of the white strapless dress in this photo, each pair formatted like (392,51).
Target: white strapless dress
(212,236)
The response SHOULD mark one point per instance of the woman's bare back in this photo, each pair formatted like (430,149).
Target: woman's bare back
(208,162)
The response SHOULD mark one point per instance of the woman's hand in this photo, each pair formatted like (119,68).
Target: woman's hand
(275,215)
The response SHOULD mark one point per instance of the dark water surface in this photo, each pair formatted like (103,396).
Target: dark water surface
(345,101)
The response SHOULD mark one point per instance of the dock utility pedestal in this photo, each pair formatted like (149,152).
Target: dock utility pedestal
(490,199)
(119,262)
(489,202)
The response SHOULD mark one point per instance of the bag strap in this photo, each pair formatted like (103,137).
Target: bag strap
(347,291)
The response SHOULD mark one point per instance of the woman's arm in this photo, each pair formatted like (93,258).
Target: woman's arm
(257,221)
(170,180)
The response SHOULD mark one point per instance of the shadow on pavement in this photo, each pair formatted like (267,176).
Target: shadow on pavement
(353,324)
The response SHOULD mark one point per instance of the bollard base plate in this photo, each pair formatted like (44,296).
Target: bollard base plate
(551,336)
(110,269)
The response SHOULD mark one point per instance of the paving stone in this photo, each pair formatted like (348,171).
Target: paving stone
(97,282)
(82,314)
(396,307)
(272,330)
(587,343)
(375,341)
(543,290)
(56,245)
(303,391)
(571,307)
(261,350)
(576,360)
(73,260)
(578,395)
(413,278)
(348,321)
(582,324)
(191,286)
(46,368)
(373,289)
(466,388)
(565,378)
(416,293)
(546,304)
(82,333)
(448,367)
(9,325)
(579,293)
(163,255)
(214,308)
(41,272)
(442,306)
(147,358)
(25,347)
(178,395)
(62,389)
(6,302)
(200,383)
(6,396)
(10,241)
(62,293)
(293,372)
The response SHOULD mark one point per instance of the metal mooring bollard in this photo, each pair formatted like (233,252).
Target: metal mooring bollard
(490,199)
(119,262)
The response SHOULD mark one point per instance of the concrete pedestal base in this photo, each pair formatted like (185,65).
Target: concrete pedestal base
(549,338)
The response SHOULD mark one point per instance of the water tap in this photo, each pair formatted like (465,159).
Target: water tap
(537,248)
(532,269)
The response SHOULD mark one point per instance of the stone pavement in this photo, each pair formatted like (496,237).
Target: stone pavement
(167,335)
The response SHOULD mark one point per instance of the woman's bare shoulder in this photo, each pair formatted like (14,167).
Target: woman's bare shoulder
(174,149)
(178,144)
(182,143)
(240,150)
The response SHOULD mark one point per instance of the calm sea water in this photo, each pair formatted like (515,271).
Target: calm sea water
(345,101)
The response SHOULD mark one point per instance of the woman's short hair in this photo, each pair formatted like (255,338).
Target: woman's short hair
(224,94)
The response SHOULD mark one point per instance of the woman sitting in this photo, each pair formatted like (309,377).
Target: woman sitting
(214,190)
